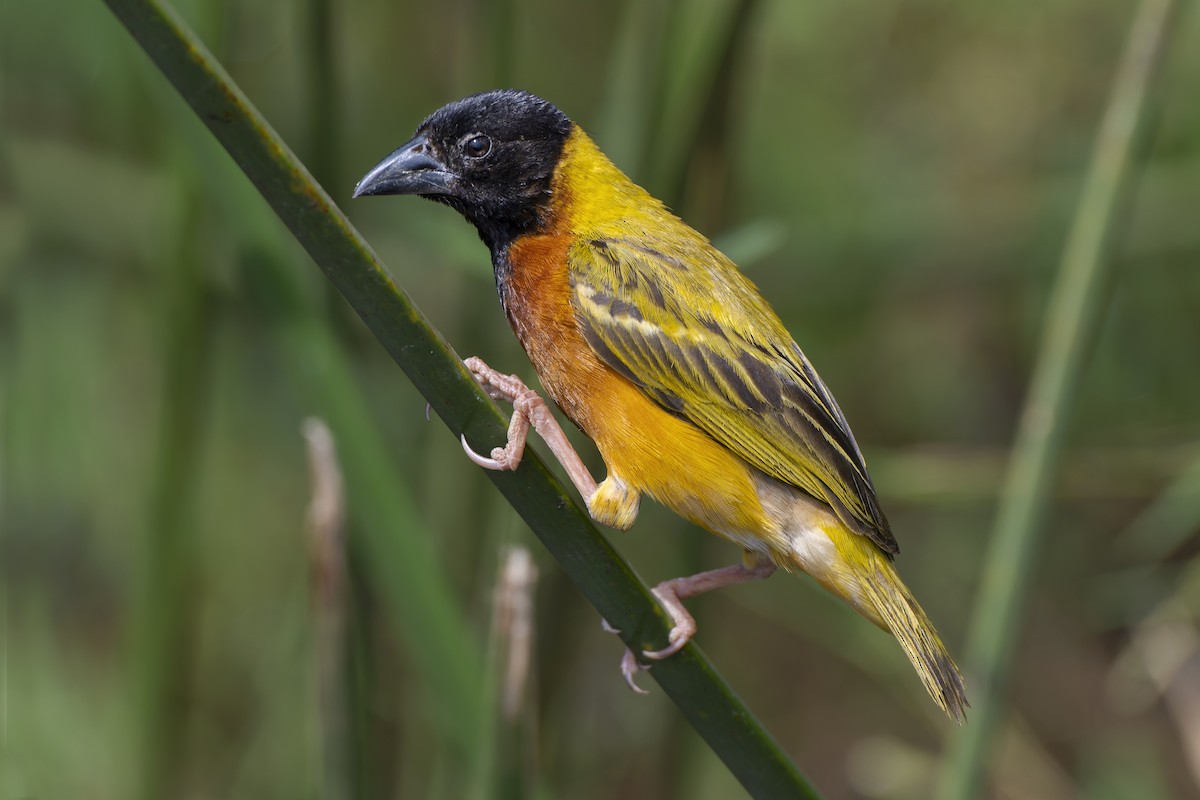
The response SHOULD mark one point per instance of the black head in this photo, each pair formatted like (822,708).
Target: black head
(491,156)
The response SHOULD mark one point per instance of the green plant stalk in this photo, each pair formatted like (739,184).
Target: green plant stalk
(1072,321)
(661,46)
(404,566)
(323,115)
(400,560)
(557,519)
(693,136)
(322,84)
(400,555)
(164,617)
(501,26)
(630,90)
(1167,522)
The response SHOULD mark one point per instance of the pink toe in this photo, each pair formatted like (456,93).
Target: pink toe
(630,668)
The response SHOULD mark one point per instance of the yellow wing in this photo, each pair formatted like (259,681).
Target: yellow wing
(682,323)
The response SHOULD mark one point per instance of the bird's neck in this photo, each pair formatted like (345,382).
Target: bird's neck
(589,191)
(589,196)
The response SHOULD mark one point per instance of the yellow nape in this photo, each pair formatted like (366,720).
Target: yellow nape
(600,194)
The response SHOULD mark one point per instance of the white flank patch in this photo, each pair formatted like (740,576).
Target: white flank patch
(814,550)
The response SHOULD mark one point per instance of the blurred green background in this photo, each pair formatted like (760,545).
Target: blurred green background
(897,177)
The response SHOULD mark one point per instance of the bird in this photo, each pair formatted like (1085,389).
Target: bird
(670,361)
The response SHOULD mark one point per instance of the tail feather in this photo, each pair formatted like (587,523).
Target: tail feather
(899,612)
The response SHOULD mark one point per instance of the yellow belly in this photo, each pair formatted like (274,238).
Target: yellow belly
(676,463)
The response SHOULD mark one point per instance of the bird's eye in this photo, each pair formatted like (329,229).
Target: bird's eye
(477,146)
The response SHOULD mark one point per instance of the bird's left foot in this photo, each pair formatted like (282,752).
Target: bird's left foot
(684,624)
(671,595)
(681,633)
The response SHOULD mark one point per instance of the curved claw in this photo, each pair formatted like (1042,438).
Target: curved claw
(483,461)
(630,667)
(607,627)
(668,651)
